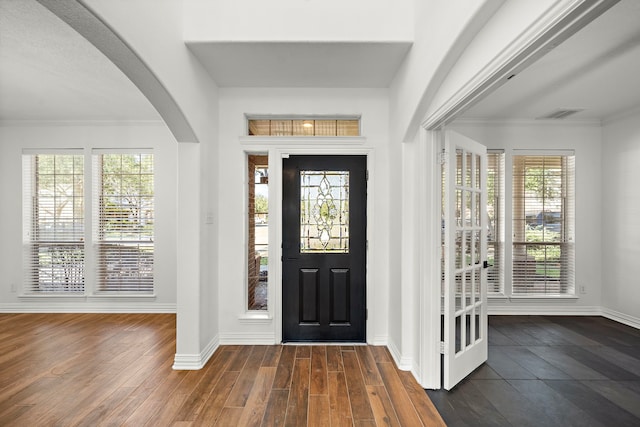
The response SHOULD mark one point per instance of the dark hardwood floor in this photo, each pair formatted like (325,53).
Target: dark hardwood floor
(115,369)
(550,371)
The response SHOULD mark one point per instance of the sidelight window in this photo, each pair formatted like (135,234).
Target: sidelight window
(258,236)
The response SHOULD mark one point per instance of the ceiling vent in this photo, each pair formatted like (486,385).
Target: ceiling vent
(560,114)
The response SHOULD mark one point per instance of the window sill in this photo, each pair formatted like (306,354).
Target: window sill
(256,318)
(543,298)
(45,296)
(102,296)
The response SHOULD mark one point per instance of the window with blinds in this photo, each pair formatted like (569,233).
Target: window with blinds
(123,222)
(495,212)
(53,197)
(543,224)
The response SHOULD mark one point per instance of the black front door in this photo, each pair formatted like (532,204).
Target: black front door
(324,222)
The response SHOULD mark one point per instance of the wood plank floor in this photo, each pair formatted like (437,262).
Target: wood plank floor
(115,369)
(550,371)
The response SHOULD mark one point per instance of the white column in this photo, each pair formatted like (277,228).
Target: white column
(188,346)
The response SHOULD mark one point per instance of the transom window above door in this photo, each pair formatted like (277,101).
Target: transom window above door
(312,126)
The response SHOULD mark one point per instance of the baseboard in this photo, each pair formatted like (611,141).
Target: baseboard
(248,338)
(380,340)
(87,307)
(625,319)
(193,362)
(544,310)
(403,363)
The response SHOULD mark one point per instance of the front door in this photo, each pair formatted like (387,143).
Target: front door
(324,248)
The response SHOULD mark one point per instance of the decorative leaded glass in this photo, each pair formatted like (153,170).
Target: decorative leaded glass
(324,211)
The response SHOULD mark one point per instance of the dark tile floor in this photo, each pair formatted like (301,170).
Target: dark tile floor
(550,371)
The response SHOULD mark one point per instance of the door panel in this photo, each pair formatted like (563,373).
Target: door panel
(324,248)
(465,253)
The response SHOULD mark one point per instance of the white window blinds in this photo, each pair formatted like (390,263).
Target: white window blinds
(495,212)
(124,222)
(53,198)
(543,224)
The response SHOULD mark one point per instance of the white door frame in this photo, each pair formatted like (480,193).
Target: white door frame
(279,148)
(556,27)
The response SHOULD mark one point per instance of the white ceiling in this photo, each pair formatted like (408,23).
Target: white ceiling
(49,72)
(597,70)
(301,64)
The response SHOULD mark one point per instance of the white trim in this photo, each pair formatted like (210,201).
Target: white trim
(89,307)
(542,152)
(75,151)
(128,150)
(276,154)
(264,142)
(248,338)
(541,298)
(428,372)
(404,363)
(92,123)
(526,122)
(544,310)
(257,319)
(194,362)
(555,26)
(619,317)
(249,116)
(380,340)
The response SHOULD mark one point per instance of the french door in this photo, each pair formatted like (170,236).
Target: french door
(465,229)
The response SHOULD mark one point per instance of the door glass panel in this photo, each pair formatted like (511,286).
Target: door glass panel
(468,169)
(467,208)
(458,249)
(458,292)
(476,208)
(477,171)
(458,331)
(459,167)
(468,289)
(459,208)
(324,211)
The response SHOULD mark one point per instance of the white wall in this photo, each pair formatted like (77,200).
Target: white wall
(14,138)
(442,32)
(513,24)
(585,139)
(291,20)
(234,103)
(621,218)
(154,31)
